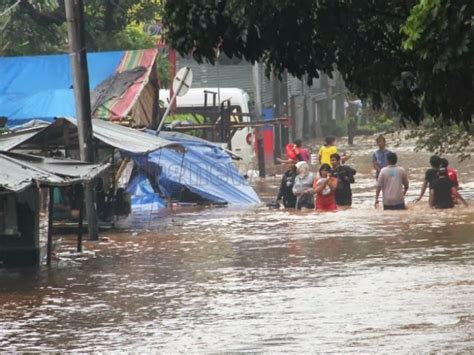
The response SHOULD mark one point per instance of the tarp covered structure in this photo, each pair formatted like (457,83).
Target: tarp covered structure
(206,170)
(20,171)
(41,87)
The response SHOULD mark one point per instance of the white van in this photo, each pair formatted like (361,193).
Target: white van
(242,141)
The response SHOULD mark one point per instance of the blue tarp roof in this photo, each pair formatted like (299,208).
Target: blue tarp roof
(206,170)
(40,87)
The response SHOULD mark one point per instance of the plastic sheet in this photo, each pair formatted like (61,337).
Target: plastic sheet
(205,170)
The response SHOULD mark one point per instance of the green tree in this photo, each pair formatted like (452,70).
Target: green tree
(39,27)
(35,28)
(418,55)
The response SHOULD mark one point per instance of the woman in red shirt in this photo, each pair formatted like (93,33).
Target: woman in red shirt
(325,187)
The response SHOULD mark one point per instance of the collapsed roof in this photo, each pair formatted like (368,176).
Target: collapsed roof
(20,171)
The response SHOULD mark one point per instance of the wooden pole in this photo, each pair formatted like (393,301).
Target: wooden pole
(78,54)
(49,247)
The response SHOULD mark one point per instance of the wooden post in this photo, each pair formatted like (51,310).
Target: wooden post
(49,247)
(78,54)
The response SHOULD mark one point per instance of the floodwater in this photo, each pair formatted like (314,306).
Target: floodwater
(260,280)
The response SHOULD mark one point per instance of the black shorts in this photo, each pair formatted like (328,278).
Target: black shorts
(401,206)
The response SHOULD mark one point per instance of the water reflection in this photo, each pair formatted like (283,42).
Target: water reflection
(235,279)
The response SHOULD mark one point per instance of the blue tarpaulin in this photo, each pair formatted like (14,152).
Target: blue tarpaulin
(205,170)
(142,194)
(41,87)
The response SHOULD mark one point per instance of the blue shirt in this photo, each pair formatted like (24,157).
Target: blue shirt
(380,157)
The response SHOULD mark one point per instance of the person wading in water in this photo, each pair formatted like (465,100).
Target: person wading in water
(379,158)
(345,177)
(443,193)
(430,175)
(286,188)
(393,182)
(303,186)
(325,187)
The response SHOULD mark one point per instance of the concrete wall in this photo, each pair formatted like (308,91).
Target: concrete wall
(309,105)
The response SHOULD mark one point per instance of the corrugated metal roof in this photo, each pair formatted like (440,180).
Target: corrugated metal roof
(63,131)
(129,139)
(9,141)
(19,171)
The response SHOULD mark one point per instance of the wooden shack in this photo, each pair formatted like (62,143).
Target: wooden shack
(26,184)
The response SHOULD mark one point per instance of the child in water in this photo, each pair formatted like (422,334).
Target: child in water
(325,187)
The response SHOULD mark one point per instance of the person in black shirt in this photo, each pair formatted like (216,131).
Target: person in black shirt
(286,186)
(442,191)
(430,175)
(345,177)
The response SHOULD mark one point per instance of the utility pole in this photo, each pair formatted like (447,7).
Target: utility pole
(283,138)
(258,113)
(277,113)
(256,86)
(78,54)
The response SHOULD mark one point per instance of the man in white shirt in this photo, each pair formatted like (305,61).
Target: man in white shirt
(393,182)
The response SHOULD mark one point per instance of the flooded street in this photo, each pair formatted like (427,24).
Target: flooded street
(259,280)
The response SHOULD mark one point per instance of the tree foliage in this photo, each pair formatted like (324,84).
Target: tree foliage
(417,54)
(434,136)
(39,26)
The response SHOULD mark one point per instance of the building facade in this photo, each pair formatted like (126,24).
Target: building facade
(313,108)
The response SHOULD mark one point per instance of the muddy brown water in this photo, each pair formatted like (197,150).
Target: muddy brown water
(259,280)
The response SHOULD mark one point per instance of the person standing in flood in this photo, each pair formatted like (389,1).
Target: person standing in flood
(452,174)
(303,186)
(295,152)
(326,150)
(393,183)
(325,187)
(430,175)
(286,188)
(379,158)
(443,193)
(345,177)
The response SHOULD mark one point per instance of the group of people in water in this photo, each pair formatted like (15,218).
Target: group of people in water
(331,189)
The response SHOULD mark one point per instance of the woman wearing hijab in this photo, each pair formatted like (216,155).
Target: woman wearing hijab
(303,186)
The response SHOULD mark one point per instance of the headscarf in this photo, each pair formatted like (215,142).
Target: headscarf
(302,168)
